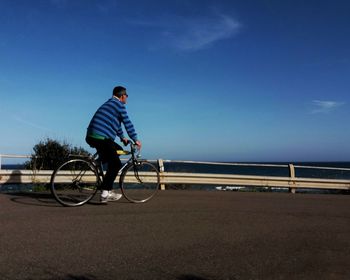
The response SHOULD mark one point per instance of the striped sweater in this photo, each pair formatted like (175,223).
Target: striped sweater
(108,120)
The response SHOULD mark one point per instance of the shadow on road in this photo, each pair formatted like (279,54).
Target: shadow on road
(70,277)
(44,199)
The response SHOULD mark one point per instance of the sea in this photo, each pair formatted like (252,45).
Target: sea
(331,170)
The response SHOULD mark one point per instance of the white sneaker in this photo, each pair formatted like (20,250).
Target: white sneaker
(111,196)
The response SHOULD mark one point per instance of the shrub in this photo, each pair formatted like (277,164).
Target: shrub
(48,154)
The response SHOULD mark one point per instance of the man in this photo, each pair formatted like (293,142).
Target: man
(104,127)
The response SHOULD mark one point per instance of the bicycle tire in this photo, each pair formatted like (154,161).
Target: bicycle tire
(139,182)
(75,182)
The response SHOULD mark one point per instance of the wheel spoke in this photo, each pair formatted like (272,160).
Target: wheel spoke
(140,181)
(74,182)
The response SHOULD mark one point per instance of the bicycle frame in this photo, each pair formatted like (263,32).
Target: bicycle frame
(133,159)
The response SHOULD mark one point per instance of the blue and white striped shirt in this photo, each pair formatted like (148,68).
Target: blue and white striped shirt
(108,120)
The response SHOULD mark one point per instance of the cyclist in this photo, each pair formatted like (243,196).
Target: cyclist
(104,127)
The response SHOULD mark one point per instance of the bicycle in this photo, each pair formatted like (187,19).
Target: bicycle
(76,181)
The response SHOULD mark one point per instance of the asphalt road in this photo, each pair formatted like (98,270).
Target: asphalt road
(181,235)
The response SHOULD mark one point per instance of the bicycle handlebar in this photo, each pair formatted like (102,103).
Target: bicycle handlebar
(133,147)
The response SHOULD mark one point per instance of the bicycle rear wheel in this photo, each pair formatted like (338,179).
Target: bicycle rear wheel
(75,182)
(139,182)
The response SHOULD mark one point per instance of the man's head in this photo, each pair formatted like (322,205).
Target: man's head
(120,93)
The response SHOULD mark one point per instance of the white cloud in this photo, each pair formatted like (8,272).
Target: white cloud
(190,34)
(29,123)
(321,106)
(199,33)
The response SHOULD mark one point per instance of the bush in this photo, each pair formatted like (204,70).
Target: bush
(50,153)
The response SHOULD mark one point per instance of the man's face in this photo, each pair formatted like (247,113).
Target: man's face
(124,98)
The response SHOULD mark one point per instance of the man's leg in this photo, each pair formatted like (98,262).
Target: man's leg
(114,164)
(107,150)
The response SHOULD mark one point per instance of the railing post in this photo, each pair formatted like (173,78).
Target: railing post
(0,162)
(161,171)
(292,177)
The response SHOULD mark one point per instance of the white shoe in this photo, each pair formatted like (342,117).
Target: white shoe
(111,196)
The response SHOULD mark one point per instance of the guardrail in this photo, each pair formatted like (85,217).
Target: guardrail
(291,182)
(11,156)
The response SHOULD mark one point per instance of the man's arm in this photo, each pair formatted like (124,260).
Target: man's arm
(129,129)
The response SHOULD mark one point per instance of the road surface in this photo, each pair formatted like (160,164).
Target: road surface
(180,235)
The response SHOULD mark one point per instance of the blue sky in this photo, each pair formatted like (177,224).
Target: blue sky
(207,80)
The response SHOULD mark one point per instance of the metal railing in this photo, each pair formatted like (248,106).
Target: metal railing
(2,156)
(292,182)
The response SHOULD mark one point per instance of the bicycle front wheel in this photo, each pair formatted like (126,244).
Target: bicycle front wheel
(74,183)
(139,182)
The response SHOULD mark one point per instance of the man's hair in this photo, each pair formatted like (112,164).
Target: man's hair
(119,91)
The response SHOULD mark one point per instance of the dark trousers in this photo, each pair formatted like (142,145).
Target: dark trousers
(107,150)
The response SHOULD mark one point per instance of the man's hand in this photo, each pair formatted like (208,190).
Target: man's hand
(125,141)
(139,144)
